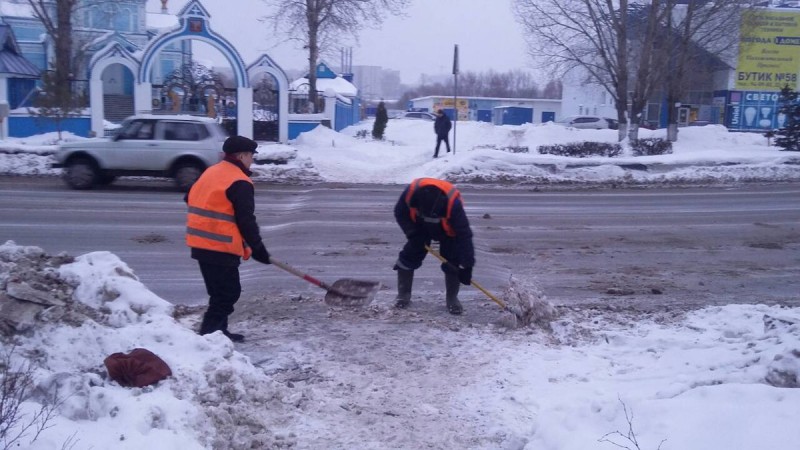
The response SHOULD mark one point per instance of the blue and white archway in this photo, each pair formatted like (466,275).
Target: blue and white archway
(113,53)
(194,24)
(265,64)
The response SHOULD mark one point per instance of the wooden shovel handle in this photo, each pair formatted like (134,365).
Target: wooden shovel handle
(300,274)
(473,283)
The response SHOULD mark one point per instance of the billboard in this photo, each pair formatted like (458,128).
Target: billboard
(447,103)
(769,50)
(754,111)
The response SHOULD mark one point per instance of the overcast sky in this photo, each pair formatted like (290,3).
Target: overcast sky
(420,43)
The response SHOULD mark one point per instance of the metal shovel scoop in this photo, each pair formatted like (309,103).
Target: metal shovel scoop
(343,292)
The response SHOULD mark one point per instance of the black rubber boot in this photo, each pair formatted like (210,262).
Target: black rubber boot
(234,337)
(405,279)
(210,324)
(452,285)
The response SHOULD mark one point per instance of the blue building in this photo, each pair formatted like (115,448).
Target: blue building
(485,109)
(128,61)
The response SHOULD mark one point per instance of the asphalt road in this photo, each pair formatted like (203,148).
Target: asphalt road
(641,247)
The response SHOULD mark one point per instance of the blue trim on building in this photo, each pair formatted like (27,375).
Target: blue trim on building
(30,126)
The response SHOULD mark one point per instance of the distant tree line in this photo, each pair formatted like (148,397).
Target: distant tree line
(511,84)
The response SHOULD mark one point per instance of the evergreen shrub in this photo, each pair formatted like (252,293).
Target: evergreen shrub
(651,146)
(582,149)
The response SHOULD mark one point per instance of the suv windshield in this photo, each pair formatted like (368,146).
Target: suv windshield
(136,129)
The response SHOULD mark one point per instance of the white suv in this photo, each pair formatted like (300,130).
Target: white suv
(417,115)
(588,122)
(175,146)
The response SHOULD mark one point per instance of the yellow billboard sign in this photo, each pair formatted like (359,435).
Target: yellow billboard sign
(769,50)
(447,103)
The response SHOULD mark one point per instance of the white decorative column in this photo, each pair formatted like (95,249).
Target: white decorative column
(143,98)
(330,106)
(283,114)
(4,98)
(97,105)
(244,111)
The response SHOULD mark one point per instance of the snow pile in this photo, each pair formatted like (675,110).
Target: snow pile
(213,399)
(528,304)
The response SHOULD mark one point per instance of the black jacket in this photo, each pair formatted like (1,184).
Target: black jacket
(442,125)
(242,195)
(458,220)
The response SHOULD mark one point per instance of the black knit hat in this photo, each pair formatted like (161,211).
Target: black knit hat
(239,144)
(430,201)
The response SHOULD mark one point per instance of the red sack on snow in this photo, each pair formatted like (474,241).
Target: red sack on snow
(139,368)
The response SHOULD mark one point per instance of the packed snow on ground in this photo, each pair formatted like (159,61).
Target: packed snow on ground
(716,378)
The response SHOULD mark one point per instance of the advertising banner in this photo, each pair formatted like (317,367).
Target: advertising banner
(754,111)
(447,103)
(769,50)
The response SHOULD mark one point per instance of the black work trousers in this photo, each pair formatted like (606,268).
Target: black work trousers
(439,139)
(224,289)
(414,252)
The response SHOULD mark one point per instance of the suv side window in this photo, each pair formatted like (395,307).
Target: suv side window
(184,131)
(137,129)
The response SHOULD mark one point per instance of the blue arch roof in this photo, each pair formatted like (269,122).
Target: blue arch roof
(193,24)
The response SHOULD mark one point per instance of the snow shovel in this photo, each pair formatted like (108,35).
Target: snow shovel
(343,292)
(520,317)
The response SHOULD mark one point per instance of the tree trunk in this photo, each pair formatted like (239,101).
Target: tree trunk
(63,48)
(313,58)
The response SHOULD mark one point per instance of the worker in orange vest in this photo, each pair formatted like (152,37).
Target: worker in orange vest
(221,230)
(431,210)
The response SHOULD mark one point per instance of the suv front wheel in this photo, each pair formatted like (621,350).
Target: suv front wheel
(81,173)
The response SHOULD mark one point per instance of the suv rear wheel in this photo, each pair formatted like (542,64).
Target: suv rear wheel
(81,173)
(186,174)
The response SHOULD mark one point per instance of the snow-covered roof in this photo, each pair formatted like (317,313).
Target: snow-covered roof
(15,8)
(338,84)
(160,20)
(498,99)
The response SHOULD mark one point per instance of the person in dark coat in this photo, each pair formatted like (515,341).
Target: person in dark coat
(431,210)
(442,127)
(222,229)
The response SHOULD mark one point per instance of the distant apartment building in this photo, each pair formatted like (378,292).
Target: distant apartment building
(375,83)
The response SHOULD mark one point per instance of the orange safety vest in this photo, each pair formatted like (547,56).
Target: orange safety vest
(211,222)
(444,186)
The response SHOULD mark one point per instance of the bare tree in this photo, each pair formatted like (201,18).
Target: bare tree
(701,36)
(631,48)
(57,20)
(321,24)
(62,96)
(564,35)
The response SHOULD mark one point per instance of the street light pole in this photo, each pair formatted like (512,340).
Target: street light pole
(455,95)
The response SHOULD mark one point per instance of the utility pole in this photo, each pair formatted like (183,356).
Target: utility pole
(455,95)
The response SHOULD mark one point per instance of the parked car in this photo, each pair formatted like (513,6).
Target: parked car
(418,115)
(174,146)
(588,122)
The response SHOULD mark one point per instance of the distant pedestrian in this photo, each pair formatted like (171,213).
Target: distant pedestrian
(442,127)
(221,229)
